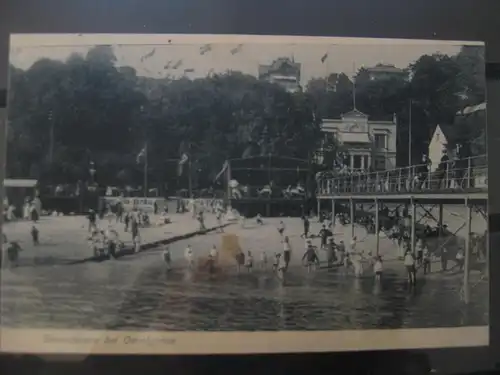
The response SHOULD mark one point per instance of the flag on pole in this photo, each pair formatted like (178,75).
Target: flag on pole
(141,156)
(222,171)
(204,49)
(184,158)
(237,49)
(325,56)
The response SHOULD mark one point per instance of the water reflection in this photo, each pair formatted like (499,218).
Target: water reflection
(183,300)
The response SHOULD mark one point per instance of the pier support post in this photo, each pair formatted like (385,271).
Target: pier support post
(413,218)
(467,253)
(333,215)
(440,220)
(377,229)
(351,202)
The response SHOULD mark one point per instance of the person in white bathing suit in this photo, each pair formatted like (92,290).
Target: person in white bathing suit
(189,256)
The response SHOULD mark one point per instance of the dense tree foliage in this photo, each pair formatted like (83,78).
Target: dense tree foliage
(65,115)
(438,86)
(100,113)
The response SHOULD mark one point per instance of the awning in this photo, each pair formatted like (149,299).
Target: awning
(19,183)
(353,137)
(472,109)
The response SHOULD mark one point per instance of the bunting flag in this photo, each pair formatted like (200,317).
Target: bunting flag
(237,49)
(222,171)
(204,49)
(180,167)
(141,156)
(189,70)
(324,57)
(177,64)
(167,66)
(148,55)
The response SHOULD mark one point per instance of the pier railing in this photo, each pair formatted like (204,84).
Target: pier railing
(452,175)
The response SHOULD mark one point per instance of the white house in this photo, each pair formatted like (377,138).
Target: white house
(368,144)
(437,145)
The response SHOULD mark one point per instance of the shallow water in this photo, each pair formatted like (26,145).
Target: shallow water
(137,293)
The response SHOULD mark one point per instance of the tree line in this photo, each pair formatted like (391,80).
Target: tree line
(66,115)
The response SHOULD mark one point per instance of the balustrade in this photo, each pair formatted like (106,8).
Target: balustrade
(450,176)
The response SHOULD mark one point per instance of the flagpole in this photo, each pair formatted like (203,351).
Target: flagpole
(146,170)
(354,86)
(190,180)
(409,136)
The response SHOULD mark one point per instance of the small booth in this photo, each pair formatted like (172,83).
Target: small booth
(16,191)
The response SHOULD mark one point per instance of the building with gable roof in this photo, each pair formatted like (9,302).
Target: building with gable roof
(282,71)
(384,71)
(368,145)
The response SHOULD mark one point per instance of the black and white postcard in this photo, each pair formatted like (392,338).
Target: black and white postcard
(243,194)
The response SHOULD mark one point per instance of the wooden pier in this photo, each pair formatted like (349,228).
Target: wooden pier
(456,182)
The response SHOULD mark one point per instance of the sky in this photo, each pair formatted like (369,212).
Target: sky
(150,54)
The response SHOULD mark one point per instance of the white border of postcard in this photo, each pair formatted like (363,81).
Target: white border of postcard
(155,342)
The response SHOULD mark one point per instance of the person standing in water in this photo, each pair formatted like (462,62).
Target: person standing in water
(460,259)
(240,260)
(287,251)
(126,221)
(137,242)
(353,244)
(420,252)
(249,262)
(281,268)
(311,258)
(378,268)
(214,253)
(276,261)
(409,262)
(34,235)
(444,259)
(167,258)
(330,252)
(134,227)
(189,256)
(427,261)
(210,265)
(324,233)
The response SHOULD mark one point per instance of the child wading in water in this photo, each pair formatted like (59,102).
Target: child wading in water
(249,262)
(311,258)
(240,260)
(34,235)
(287,251)
(167,258)
(281,268)
(276,261)
(378,268)
(137,243)
(189,256)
